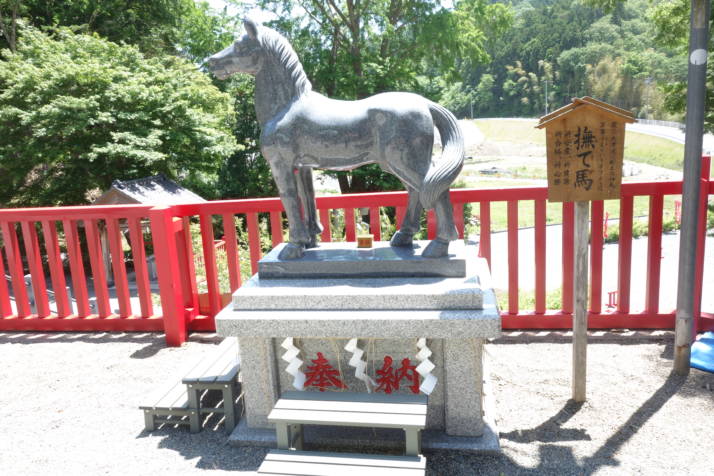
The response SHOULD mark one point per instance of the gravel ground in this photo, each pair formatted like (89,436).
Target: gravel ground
(70,407)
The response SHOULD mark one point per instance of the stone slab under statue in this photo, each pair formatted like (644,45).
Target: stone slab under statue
(302,130)
(339,260)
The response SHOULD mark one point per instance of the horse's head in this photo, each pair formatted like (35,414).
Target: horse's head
(243,56)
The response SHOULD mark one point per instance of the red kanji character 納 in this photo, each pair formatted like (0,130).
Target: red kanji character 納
(386,379)
(408,371)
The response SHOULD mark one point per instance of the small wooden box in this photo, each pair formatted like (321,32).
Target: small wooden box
(364,241)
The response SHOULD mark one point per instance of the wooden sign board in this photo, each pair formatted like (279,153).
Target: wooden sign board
(585,144)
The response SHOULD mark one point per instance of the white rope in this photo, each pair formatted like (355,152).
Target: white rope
(359,364)
(425,367)
(336,349)
(291,357)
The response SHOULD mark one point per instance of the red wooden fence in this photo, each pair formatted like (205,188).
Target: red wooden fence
(32,243)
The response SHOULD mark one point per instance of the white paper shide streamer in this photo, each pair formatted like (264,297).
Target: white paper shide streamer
(359,364)
(425,367)
(291,357)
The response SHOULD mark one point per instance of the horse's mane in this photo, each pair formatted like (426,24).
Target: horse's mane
(277,46)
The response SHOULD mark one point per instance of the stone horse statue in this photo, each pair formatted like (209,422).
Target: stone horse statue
(302,129)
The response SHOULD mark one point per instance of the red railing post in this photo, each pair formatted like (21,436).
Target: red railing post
(37,273)
(276,227)
(5,307)
(459,218)
(116,252)
(350,232)
(16,269)
(484,225)
(54,261)
(326,221)
(540,256)
(375,225)
(231,240)
(596,239)
(167,269)
(99,275)
(654,254)
(430,224)
(76,267)
(187,268)
(143,286)
(253,240)
(512,213)
(624,265)
(568,256)
(701,242)
(210,263)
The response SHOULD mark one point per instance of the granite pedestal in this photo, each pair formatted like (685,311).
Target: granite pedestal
(455,314)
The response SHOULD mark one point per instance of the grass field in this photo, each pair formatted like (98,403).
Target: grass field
(638,147)
(654,150)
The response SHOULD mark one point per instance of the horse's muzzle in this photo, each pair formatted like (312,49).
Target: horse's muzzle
(216,66)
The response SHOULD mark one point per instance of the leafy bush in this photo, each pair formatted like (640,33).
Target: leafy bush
(639,229)
(526,299)
(77,111)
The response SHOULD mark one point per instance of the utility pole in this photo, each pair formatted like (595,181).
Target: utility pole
(546,97)
(696,94)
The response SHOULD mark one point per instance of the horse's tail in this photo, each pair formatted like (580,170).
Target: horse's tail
(444,171)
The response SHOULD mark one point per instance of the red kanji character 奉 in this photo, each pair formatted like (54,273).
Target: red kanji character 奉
(388,382)
(322,374)
(408,371)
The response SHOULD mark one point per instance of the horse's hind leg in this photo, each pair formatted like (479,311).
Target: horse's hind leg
(445,231)
(410,224)
(307,197)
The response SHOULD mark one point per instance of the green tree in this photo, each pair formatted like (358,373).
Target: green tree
(10,11)
(246,173)
(78,111)
(672,22)
(351,49)
(157,26)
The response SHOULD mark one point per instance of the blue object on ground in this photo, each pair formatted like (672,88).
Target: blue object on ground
(702,356)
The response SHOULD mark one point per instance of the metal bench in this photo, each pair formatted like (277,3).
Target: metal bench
(218,370)
(303,463)
(295,409)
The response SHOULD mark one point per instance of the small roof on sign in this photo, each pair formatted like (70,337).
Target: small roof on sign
(154,190)
(616,113)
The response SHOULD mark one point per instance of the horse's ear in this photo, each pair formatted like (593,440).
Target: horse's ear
(251,28)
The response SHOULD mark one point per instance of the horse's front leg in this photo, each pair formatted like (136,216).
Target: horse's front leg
(288,189)
(307,197)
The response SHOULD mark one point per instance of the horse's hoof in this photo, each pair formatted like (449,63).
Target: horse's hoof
(401,239)
(436,249)
(291,251)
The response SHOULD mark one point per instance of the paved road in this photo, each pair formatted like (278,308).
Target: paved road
(669,265)
(671,133)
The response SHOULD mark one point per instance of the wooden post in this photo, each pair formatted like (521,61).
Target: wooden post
(167,268)
(580,314)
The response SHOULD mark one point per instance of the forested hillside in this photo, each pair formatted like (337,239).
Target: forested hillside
(558,49)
